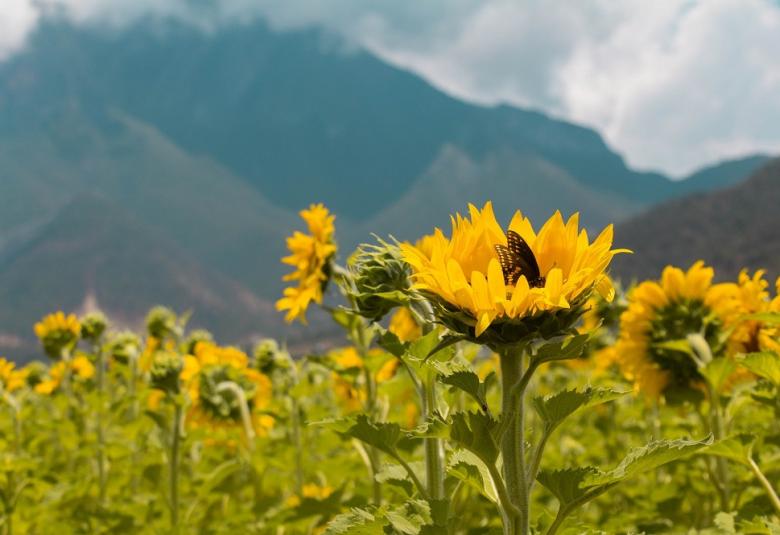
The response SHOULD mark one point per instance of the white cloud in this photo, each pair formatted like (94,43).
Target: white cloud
(672,84)
(17,18)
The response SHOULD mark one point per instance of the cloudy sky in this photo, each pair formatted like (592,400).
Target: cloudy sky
(671,84)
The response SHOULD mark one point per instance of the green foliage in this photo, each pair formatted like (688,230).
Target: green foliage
(335,450)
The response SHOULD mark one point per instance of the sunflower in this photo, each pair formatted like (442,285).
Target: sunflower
(601,320)
(311,257)
(79,368)
(667,311)
(213,376)
(404,326)
(311,491)
(463,273)
(11,379)
(753,334)
(58,333)
(347,361)
(347,394)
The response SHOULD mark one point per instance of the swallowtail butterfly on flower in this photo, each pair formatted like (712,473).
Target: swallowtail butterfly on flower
(516,259)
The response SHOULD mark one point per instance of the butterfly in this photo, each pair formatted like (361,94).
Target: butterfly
(516,259)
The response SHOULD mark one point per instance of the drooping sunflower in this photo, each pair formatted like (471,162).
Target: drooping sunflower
(218,379)
(58,333)
(671,309)
(463,274)
(311,256)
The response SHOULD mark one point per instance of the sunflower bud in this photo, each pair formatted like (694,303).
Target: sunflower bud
(124,347)
(269,357)
(195,337)
(93,326)
(166,367)
(161,323)
(381,279)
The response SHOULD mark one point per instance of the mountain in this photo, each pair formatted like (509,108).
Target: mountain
(205,144)
(720,175)
(730,229)
(298,115)
(95,254)
(455,177)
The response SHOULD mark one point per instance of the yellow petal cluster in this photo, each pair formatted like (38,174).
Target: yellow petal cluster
(753,334)
(347,394)
(404,326)
(312,491)
(58,322)
(11,379)
(80,368)
(310,256)
(347,357)
(633,350)
(464,269)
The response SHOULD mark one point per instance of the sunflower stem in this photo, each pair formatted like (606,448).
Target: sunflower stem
(718,430)
(295,413)
(174,465)
(101,438)
(11,487)
(514,380)
(773,497)
(434,456)
(373,453)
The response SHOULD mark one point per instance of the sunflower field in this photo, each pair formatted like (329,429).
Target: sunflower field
(492,379)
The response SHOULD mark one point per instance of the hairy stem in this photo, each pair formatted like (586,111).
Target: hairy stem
(434,455)
(511,448)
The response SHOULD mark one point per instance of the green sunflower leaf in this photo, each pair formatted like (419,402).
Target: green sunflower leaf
(476,432)
(648,457)
(555,408)
(718,371)
(468,382)
(357,522)
(765,364)
(410,518)
(736,448)
(472,471)
(567,349)
(567,484)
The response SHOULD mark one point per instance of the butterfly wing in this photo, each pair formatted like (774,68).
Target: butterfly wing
(523,255)
(509,265)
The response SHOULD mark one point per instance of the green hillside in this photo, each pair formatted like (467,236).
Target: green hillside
(731,229)
(94,253)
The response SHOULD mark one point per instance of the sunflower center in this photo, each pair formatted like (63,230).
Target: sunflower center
(675,322)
